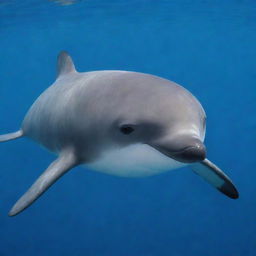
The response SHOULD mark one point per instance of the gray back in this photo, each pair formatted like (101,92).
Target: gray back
(86,110)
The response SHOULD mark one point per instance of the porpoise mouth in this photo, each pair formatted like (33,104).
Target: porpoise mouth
(191,154)
(195,152)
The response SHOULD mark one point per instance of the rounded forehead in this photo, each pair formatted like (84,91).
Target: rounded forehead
(142,95)
(139,97)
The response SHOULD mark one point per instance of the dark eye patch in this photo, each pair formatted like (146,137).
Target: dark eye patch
(126,129)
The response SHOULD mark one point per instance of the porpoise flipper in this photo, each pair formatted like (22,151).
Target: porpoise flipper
(216,177)
(11,136)
(58,168)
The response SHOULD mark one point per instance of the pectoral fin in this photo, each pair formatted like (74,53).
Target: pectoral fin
(59,167)
(213,175)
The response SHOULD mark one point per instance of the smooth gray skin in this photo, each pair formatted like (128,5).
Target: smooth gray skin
(88,109)
(80,115)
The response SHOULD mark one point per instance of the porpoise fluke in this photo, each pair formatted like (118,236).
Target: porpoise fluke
(118,122)
(11,136)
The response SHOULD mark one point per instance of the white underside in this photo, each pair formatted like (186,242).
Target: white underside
(136,160)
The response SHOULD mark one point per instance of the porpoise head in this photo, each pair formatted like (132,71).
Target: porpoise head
(174,123)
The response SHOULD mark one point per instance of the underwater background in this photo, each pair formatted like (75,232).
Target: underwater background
(209,47)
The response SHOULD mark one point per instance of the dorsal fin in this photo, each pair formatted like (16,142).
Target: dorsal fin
(65,64)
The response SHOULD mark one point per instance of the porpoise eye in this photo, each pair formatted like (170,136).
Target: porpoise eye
(126,129)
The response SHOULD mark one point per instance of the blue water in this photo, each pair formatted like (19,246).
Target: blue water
(207,46)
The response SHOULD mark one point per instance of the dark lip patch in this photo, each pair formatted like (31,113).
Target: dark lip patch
(190,154)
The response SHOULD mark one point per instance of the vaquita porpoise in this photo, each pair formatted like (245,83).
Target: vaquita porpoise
(118,122)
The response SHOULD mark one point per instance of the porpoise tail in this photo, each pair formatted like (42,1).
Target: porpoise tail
(11,136)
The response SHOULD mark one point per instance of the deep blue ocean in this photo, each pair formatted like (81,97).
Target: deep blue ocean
(209,47)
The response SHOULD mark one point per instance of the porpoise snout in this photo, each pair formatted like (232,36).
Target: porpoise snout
(190,154)
(183,149)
